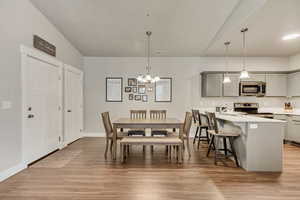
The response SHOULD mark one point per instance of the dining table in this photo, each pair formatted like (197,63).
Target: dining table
(128,123)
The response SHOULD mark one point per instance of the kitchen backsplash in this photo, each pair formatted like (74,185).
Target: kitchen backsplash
(264,102)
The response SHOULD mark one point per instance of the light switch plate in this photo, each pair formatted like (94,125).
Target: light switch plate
(6,105)
(253,126)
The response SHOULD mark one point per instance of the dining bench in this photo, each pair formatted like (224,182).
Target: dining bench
(149,141)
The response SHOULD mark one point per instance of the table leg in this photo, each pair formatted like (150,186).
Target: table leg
(115,142)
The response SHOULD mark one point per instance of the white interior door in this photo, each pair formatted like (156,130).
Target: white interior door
(73,104)
(42,111)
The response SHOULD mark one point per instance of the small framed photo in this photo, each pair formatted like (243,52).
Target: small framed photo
(127,89)
(141,89)
(134,89)
(132,82)
(145,98)
(137,97)
(130,97)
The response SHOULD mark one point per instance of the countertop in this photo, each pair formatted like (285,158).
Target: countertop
(280,111)
(233,117)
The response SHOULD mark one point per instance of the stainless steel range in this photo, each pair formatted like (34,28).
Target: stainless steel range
(251,109)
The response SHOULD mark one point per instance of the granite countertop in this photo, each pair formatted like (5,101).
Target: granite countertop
(245,118)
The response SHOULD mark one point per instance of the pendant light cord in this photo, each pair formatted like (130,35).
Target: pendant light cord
(148,53)
(227,61)
(244,30)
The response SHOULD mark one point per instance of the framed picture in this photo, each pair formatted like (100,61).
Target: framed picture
(130,97)
(114,89)
(137,97)
(134,89)
(132,82)
(163,90)
(145,98)
(127,89)
(141,89)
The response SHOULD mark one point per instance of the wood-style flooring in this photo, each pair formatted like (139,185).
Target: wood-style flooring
(79,172)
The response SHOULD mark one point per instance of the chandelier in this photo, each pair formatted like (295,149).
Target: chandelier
(147,78)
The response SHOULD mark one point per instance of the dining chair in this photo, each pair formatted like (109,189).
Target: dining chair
(184,133)
(200,121)
(216,137)
(109,133)
(159,115)
(137,114)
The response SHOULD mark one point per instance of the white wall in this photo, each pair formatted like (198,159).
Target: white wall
(186,84)
(294,62)
(19,20)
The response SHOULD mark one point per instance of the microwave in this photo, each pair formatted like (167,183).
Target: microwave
(252,88)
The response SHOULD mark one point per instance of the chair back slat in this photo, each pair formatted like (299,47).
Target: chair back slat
(187,124)
(107,123)
(196,114)
(158,114)
(138,114)
(212,122)
(203,119)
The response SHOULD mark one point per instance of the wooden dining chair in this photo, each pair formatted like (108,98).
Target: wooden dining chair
(109,133)
(184,133)
(137,114)
(200,121)
(216,137)
(159,115)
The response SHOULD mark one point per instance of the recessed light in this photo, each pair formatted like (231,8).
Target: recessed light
(291,36)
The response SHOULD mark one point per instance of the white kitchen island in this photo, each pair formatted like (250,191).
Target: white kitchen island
(260,146)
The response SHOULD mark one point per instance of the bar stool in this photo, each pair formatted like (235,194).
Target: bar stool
(201,121)
(216,136)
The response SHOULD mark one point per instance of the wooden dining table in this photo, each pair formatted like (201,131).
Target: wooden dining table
(168,123)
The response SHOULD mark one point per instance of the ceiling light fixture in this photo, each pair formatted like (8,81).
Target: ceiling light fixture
(147,78)
(244,72)
(291,36)
(226,76)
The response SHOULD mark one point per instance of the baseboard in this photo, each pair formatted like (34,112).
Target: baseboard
(12,171)
(93,134)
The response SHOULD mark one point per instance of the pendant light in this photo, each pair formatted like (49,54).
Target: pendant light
(226,76)
(244,72)
(147,78)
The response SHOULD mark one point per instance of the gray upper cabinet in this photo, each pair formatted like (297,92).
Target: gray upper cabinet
(232,89)
(257,77)
(276,85)
(294,84)
(212,85)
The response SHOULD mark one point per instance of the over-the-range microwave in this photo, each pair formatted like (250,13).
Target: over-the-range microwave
(252,88)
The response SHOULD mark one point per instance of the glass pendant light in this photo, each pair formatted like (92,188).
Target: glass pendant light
(147,78)
(226,76)
(244,72)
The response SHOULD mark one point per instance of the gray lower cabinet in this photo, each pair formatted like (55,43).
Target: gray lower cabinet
(276,85)
(212,85)
(294,84)
(294,128)
(232,89)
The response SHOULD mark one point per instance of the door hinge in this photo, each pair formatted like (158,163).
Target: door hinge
(59,138)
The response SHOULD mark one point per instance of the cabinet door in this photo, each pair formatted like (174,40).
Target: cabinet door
(294,129)
(257,77)
(293,84)
(283,118)
(213,85)
(276,85)
(232,89)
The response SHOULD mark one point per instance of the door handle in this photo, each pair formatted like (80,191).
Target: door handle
(30,116)
(69,111)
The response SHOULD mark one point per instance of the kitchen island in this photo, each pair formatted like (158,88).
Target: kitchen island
(260,145)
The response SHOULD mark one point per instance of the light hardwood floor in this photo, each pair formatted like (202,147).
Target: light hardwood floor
(80,172)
